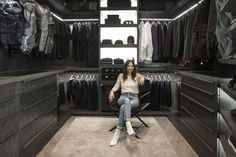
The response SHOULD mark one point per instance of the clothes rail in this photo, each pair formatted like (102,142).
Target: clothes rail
(154,19)
(79,20)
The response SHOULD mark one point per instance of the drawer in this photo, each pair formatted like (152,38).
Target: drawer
(207,100)
(31,130)
(9,90)
(206,115)
(201,148)
(10,147)
(33,97)
(37,110)
(8,127)
(31,85)
(204,134)
(207,86)
(9,107)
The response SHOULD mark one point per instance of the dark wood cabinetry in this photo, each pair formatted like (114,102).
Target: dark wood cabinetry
(198,114)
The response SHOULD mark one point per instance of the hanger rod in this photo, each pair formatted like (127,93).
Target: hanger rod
(72,20)
(155,19)
(78,20)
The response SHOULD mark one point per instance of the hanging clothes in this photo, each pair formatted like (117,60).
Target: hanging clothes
(146,47)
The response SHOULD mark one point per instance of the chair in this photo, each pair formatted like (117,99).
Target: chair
(144,93)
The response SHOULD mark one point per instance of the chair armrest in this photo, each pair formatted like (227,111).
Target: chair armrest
(142,96)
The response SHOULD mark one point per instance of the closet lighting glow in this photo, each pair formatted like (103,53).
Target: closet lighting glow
(72,19)
(185,12)
(56,16)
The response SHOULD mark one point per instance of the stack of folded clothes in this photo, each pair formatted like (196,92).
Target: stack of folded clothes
(112,19)
(106,61)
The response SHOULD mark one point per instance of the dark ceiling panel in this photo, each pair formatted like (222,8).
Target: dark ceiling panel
(70,8)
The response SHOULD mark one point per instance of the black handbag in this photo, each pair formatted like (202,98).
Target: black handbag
(118,3)
(107,41)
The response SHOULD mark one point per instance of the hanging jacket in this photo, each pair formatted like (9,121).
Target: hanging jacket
(11,23)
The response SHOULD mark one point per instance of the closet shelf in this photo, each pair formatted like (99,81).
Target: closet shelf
(228,150)
(231,29)
(229,91)
(230,121)
(118,46)
(118,25)
(118,8)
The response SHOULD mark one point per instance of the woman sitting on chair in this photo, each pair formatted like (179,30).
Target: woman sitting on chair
(129,82)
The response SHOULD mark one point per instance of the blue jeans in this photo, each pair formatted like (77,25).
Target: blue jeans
(127,102)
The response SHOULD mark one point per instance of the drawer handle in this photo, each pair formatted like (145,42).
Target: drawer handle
(195,101)
(199,89)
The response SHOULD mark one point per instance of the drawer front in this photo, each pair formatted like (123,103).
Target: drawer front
(38,109)
(32,85)
(36,96)
(206,116)
(207,137)
(9,107)
(207,86)
(31,130)
(10,147)
(8,127)
(201,149)
(209,101)
(9,91)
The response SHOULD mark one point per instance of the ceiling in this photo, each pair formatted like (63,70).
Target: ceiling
(78,8)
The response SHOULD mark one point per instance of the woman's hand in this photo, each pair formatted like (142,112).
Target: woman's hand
(111,96)
(141,81)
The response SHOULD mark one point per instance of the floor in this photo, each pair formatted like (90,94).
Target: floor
(180,147)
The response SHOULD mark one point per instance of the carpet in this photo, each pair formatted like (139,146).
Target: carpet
(89,137)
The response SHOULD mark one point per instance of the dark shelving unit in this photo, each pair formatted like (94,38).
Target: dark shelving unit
(229,119)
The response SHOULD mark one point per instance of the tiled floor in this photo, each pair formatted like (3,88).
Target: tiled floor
(179,144)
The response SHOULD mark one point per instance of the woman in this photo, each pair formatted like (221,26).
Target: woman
(129,82)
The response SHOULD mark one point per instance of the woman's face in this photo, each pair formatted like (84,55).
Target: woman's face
(130,68)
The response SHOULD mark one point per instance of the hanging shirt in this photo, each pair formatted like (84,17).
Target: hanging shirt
(146,48)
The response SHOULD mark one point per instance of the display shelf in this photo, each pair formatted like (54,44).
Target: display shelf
(228,150)
(118,25)
(229,91)
(118,46)
(118,8)
(231,29)
(229,119)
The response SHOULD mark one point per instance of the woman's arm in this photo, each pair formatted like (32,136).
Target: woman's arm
(115,88)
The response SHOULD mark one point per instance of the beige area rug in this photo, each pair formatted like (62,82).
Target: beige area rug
(89,137)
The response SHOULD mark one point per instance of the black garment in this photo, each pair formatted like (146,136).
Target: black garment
(69,90)
(61,95)
(154,43)
(75,48)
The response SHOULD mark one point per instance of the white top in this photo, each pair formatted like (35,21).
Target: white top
(129,85)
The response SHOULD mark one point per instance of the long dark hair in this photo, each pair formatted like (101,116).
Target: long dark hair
(125,72)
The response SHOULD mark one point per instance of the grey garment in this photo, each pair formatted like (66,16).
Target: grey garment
(211,38)
(28,39)
(50,40)
(11,22)
(188,36)
(127,102)
(44,14)
(223,21)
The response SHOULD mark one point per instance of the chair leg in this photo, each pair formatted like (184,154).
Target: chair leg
(142,121)
(112,128)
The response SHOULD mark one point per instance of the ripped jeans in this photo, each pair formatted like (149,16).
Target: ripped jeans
(127,102)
